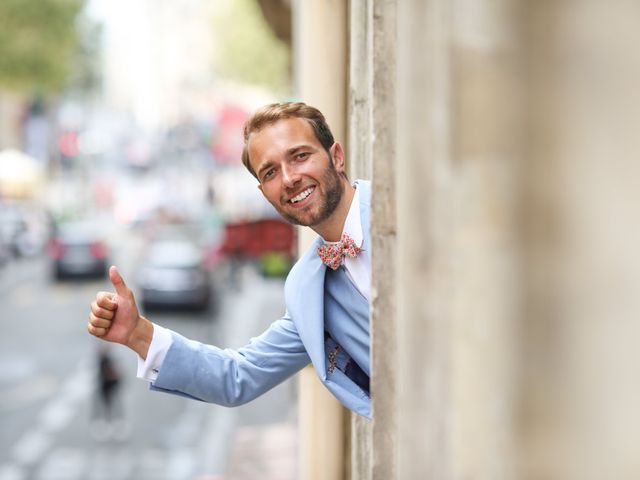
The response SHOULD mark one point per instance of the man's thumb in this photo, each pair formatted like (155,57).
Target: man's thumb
(117,281)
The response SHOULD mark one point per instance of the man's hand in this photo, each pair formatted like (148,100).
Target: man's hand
(115,317)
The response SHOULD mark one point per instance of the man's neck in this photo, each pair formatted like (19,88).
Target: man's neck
(331,229)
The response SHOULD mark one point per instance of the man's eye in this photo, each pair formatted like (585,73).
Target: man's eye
(302,156)
(268,174)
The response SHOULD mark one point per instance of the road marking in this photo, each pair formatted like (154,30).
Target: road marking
(31,447)
(12,472)
(26,393)
(62,464)
(56,415)
(78,385)
(16,367)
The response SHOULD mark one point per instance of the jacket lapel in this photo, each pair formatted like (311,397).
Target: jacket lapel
(304,292)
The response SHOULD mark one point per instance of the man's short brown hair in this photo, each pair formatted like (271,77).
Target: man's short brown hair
(271,113)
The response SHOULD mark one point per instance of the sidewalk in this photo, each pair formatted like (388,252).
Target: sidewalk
(266,452)
(263,435)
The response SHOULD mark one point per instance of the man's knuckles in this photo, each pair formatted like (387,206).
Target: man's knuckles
(101,312)
(106,300)
(99,321)
(96,331)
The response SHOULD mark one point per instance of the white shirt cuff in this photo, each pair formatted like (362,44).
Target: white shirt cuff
(160,342)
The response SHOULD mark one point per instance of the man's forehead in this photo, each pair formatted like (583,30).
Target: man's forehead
(281,136)
(284,128)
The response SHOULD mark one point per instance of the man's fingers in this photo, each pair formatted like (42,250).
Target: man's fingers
(99,322)
(105,300)
(100,312)
(96,331)
(118,281)
(98,325)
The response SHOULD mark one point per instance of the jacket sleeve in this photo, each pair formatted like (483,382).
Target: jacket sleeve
(232,377)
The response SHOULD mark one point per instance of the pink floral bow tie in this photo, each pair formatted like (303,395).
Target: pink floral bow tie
(331,253)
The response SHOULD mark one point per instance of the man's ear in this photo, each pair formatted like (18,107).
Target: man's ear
(337,154)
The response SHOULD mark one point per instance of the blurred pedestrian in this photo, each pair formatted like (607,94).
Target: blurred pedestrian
(300,168)
(108,413)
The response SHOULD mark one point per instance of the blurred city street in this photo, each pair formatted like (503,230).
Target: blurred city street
(48,385)
(501,237)
(121,144)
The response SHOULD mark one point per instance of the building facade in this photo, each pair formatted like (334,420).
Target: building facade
(500,139)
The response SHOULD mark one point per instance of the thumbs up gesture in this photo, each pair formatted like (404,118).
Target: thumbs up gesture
(115,317)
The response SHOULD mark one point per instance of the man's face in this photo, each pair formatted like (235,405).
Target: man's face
(297,175)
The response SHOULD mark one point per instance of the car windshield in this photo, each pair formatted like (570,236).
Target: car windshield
(173,255)
(78,232)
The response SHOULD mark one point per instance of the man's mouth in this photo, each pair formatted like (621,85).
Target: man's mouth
(302,195)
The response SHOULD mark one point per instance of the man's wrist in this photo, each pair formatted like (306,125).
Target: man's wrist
(141,337)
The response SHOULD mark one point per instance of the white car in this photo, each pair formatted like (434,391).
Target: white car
(173,275)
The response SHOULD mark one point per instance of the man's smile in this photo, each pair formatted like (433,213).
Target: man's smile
(301,196)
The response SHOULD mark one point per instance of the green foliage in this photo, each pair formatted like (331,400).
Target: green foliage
(274,264)
(37,43)
(247,50)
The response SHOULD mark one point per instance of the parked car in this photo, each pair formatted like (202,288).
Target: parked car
(173,274)
(23,230)
(78,249)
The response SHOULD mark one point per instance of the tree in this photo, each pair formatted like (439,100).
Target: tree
(38,40)
(247,48)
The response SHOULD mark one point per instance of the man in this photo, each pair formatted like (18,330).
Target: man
(301,171)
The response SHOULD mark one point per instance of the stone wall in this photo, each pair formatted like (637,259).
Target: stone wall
(504,152)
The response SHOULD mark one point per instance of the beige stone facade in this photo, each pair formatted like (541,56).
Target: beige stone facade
(501,140)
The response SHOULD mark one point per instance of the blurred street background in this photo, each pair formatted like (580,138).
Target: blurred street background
(501,140)
(120,142)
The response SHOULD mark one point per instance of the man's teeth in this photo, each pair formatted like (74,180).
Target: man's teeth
(302,195)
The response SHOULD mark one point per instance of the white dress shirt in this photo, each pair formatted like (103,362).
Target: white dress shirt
(358,269)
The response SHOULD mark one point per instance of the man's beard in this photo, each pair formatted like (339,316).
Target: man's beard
(333,188)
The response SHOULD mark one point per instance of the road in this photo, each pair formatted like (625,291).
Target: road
(47,388)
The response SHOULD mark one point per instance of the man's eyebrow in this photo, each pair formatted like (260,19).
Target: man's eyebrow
(297,148)
(290,151)
(264,166)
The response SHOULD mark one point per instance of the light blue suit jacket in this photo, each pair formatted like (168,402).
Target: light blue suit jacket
(229,377)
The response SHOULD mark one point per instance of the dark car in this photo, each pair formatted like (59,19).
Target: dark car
(78,249)
(173,275)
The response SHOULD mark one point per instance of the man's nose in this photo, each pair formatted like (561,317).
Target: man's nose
(290,176)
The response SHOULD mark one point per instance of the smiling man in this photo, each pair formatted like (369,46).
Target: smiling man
(291,151)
